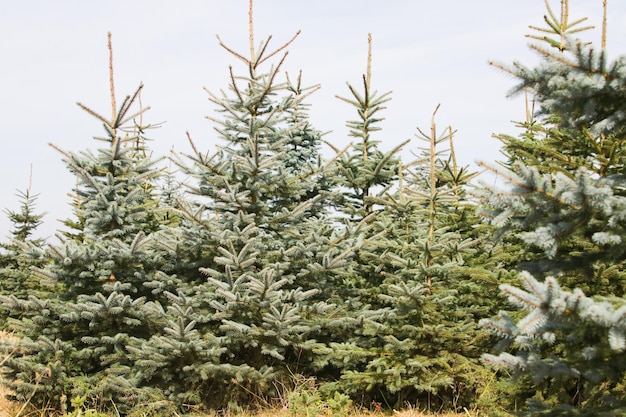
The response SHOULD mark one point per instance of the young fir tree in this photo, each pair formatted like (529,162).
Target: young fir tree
(566,201)
(22,252)
(426,349)
(258,233)
(554,143)
(72,344)
(363,173)
(366,171)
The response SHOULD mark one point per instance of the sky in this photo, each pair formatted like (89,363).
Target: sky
(426,52)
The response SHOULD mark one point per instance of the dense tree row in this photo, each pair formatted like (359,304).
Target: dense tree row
(379,277)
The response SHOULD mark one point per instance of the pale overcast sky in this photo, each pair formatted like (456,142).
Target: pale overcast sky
(427,52)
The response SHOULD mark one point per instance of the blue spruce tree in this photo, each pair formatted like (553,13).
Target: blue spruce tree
(23,251)
(259,253)
(565,201)
(74,344)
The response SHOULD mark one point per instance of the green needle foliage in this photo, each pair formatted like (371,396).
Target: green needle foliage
(370,279)
(565,201)
(73,342)
(22,251)
(424,346)
(259,255)
(365,170)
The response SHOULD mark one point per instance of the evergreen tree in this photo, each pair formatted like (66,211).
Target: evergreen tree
(363,173)
(366,171)
(72,345)
(22,252)
(426,347)
(255,229)
(572,130)
(566,203)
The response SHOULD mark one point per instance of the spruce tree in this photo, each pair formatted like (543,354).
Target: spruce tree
(72,345)
(413,266)
(425,348)
(366,171)
(363,172)
(23,250)
(565,201)
(259,253)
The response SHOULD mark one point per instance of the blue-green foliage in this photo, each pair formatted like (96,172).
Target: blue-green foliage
(76,340)
(23,251)
(419,341)
(258,254)
(360,271)
(565,200)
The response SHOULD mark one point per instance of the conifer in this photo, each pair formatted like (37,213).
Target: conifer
(73,344)
(258,252)
(23,250)
(366,171)
(363,173)
(565,201)
(424,348)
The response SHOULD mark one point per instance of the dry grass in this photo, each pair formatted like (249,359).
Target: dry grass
(404,413)
(282,412)
(7,408)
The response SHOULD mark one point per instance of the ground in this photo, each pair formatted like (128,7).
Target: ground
(6,407)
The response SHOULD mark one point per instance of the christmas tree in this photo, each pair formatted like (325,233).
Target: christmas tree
(73,344)
(424,343)
(565,201)
(258,252)
(23,250)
